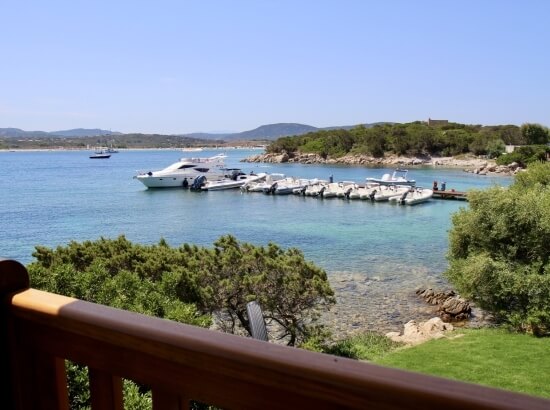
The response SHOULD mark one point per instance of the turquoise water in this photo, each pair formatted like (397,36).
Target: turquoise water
(50,198)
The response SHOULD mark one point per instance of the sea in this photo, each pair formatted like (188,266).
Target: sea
(54,197)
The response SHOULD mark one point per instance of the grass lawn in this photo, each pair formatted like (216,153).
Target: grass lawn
(490,357)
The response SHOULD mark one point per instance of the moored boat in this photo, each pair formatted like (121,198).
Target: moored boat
(399,177)
(100,154)
(184,172)
(386,192)
(415,196)
(236,181)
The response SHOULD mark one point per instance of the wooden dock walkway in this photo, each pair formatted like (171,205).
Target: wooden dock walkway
(450,194)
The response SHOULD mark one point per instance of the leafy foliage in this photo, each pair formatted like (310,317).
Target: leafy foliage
(290,290)
(500,248)
(525,155)
(190,283)
(185,284)
(534,134)
(416,138)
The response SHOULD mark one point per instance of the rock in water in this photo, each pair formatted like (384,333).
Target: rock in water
(451,307)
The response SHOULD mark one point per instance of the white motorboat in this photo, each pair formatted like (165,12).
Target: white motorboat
(288,186)
(399,177)
(184,172)
(316,189)
(386,192)
(261,186)
(236,181)
(366,191)
(331,190)
(414,196)
(345,188)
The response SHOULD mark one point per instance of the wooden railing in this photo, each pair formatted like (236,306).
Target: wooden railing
(182,363)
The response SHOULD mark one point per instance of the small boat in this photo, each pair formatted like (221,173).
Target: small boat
(236,181)
(261,186)
(399,177)
(289,185)
(100,154)
(386,192)
(366,191)
(331,190)
(415,196)
(316,189)
(345,188)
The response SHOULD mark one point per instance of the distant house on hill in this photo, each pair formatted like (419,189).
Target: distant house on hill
(433,123)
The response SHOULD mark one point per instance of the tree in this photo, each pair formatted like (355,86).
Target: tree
(500,248)
(534,134)
(290,290)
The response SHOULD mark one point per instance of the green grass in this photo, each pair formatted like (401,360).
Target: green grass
(489,357)
(366,346)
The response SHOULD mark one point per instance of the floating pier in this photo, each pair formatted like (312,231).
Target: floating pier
(450,194)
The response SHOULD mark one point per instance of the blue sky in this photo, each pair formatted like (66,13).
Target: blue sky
(185,66)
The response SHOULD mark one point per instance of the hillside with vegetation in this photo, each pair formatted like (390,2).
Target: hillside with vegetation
(118,141)
(414,139)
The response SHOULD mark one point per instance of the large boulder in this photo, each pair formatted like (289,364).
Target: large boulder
(415,333)
(450,306)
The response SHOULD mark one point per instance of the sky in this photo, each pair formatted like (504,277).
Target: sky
(181,66)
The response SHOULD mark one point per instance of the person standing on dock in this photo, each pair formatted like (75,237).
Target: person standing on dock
(443,185)
(434,188)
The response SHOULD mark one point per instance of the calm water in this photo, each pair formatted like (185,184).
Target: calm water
(51,198)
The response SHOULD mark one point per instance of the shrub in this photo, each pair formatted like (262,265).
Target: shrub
(499,251)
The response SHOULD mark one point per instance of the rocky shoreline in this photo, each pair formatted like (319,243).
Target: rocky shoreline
(373,304)
(473,164)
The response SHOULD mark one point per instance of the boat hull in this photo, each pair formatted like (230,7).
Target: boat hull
(151,181)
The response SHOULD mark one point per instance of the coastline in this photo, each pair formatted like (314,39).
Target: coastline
(469,163)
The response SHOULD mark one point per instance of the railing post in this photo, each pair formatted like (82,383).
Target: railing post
(105,390)
(13,278)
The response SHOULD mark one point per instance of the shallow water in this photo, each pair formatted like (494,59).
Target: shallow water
(53,197)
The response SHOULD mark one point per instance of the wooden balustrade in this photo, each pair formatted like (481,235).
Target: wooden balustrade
(182,363)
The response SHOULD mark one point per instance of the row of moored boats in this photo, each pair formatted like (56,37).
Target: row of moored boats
(278,184)
(210,174)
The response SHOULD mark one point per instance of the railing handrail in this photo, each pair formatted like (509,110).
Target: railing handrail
(183,362)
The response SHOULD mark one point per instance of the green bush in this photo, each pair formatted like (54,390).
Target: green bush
(499,251)
(186,284)
(525,155)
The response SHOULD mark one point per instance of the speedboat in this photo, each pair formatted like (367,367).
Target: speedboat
(184,172)
(331,190)
(289,185)
(386,192)
(399,177)
(261,186)
(236,181)
(414,196)
(345,188)
(316,189)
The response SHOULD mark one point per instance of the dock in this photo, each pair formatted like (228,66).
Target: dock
(450,194)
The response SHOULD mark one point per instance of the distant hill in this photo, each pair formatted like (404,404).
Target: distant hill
(271,132)
(264,132)
(16,132)
(83,132)
(77,132)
